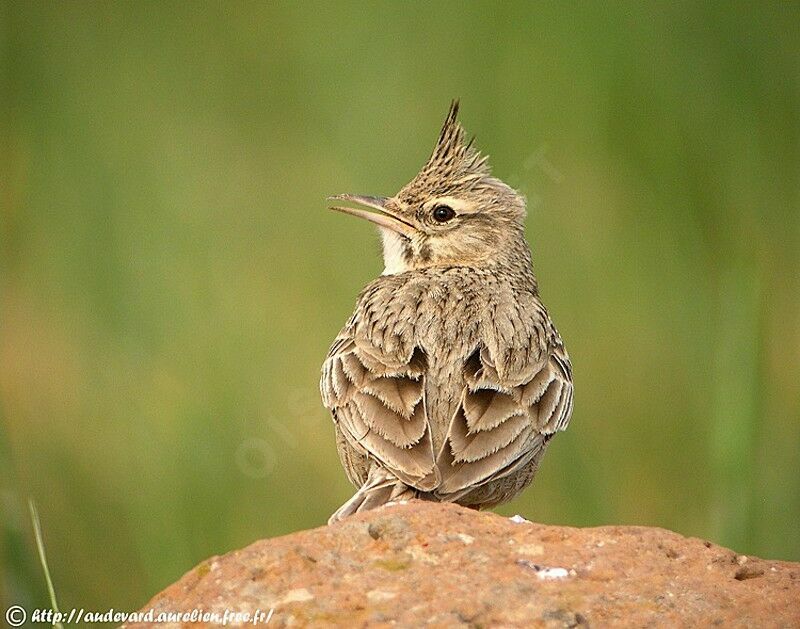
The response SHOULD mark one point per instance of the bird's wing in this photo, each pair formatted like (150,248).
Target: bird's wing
(509,410)
(375,392)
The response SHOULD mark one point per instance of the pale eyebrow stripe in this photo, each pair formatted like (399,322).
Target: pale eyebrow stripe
(460,206)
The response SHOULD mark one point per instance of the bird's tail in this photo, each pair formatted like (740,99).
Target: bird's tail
(380,487)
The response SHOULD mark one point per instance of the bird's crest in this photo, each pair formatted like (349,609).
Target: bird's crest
(454,162)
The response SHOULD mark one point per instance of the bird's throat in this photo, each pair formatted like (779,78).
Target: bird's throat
(395,254)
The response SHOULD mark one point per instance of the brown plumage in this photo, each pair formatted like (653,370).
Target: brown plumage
(449,379)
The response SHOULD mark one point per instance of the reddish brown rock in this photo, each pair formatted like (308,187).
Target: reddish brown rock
(441,565)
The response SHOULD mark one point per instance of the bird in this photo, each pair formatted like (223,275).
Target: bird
(449,379)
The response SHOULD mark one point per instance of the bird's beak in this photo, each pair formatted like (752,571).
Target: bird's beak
(382,217)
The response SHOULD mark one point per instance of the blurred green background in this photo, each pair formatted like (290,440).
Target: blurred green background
(170,279)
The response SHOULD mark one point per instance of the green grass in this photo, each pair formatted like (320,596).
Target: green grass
(37,533)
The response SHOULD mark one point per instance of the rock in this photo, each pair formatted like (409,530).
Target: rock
(426,563)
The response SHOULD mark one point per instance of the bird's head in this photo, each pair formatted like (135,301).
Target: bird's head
(453,213)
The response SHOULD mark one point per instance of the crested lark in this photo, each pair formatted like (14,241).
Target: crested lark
(449,379)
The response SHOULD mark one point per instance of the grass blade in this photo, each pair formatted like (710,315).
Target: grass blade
(37,532)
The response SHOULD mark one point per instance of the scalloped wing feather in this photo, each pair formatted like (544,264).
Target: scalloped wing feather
(499,425)
(377,401)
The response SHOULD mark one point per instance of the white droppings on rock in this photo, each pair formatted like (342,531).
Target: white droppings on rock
(554,573)
(299,595)
(741,560)
(518,519)
(547,573)
(467,539)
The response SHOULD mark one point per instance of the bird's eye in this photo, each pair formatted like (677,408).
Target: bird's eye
(443,213)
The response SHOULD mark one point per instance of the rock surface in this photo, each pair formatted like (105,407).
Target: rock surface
(441,565)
